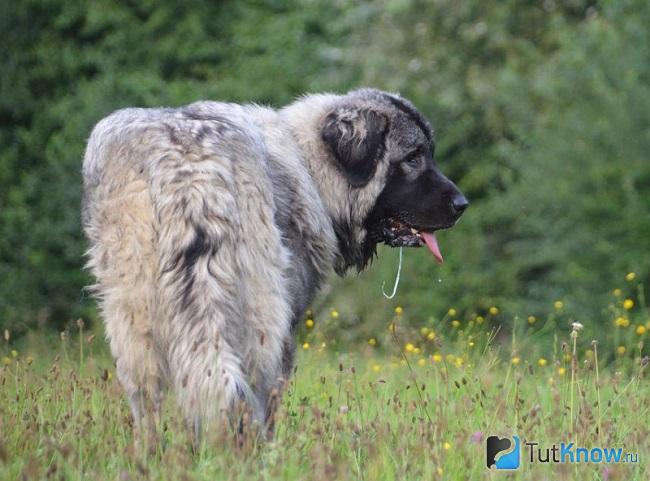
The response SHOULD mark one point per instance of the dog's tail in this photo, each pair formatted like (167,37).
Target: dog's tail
(200,300)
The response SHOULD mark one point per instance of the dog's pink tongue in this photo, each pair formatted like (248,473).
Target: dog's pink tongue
(432,243)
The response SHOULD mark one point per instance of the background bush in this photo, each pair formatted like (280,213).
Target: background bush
(541,110)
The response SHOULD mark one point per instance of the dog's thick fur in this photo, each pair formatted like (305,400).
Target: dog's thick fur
(212,226)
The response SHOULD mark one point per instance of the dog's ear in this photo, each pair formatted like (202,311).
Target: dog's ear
(356,137)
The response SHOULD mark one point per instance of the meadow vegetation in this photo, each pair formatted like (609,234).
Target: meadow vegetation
(409,403)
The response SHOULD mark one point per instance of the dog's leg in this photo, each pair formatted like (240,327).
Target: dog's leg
(272,397)
(121,256)
(194,427)
(157,397)
(136,402)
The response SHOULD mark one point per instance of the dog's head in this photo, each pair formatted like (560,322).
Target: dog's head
(380,140)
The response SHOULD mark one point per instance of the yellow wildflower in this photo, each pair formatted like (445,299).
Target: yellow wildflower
(376,367)
(620,350)
(532,320)
(14,353)
(559,305)
(617,292)
(455,323)
(589,354)
(424,331)
(372,341)
(515,361)
(398,310)
(561,371)
(391,327)
(630,276)
(479,319)
(622,321)
(628,304)
(640,329)
(451,312)
(494,310)
(459,361)
(436,358)
(334,314)
(305,346)
(431,336)
(309,323)
(409,347)
(416,350)
(542,362)
(422,362)
(450,358)
(470,343)
(446,446)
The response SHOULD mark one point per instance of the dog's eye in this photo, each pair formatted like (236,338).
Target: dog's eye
(413,160)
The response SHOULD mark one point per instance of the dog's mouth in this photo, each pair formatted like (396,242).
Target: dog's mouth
(398,233)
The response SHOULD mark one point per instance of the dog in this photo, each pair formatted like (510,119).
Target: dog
(212,226)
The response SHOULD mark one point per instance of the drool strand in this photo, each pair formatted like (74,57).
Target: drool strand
(399,271)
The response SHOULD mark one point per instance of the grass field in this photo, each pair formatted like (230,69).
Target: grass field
(410,404)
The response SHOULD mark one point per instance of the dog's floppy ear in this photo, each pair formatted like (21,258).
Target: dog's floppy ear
(356,137)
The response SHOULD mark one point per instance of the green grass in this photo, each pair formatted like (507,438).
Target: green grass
(393,411)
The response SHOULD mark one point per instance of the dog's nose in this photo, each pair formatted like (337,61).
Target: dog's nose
(459,203)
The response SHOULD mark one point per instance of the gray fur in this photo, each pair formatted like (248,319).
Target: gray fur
(211,228)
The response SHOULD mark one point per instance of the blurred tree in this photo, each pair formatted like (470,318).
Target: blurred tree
(541,111)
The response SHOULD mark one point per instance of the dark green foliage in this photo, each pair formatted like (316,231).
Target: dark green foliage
(541,111)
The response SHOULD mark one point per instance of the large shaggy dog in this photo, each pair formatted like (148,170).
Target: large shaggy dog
(212,226)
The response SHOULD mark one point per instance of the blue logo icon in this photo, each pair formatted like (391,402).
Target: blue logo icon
(502,452)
